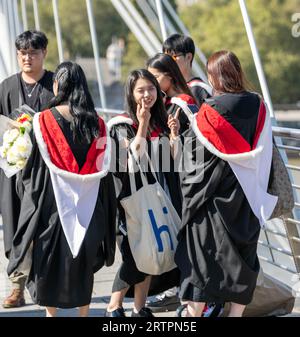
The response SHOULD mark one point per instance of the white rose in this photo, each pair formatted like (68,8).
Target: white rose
(12,157)
(20,164)
(10,136)
(22,146)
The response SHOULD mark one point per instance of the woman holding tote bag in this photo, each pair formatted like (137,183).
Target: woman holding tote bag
(135,135)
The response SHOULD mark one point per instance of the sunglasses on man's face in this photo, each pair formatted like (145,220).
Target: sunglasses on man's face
(175,57)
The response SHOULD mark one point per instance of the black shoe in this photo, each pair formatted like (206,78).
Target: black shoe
(120,312)
(163,303)
(144,312)
(181,311)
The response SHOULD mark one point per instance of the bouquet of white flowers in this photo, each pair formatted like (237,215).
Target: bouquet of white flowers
(16,143)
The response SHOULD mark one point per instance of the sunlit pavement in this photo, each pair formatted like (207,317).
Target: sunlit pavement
(101,293)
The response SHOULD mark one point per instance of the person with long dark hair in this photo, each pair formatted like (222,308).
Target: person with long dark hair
(173,84)
(146,119)
(68,209)
(231,141)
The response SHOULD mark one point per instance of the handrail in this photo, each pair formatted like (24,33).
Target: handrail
(278,131)
(288,147)
(109,112)
(279,265)
(286,132)
(278,249)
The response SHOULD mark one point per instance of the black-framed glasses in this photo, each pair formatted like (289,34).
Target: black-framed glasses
(31,53)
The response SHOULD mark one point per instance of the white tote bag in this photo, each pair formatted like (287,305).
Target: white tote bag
(152,225)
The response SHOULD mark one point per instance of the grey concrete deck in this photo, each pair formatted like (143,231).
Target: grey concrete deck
(101,294)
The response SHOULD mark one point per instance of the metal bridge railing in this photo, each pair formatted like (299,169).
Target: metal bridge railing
(281,237)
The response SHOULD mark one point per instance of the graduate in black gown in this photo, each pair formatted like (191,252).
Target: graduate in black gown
(224,192)
(146,119)
(171,82)
(68,208)
(167,71)
(33,87)
(182,50)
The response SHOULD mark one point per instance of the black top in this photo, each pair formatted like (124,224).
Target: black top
(199,93)
(183,120)
(12,97)
(240,109)
(32,93)
(12,93)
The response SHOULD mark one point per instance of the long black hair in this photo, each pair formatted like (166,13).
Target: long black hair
(73,89)
(159,115)
(165,64)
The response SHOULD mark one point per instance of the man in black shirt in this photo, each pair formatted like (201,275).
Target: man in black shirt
(32,86)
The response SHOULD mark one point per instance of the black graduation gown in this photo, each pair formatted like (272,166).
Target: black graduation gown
(173,107)
(217,249)
(198,92)
(128,274)
(11,97)
(183,120)
(57,279)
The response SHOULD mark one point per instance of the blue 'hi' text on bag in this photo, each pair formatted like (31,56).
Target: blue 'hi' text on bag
(158,230)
